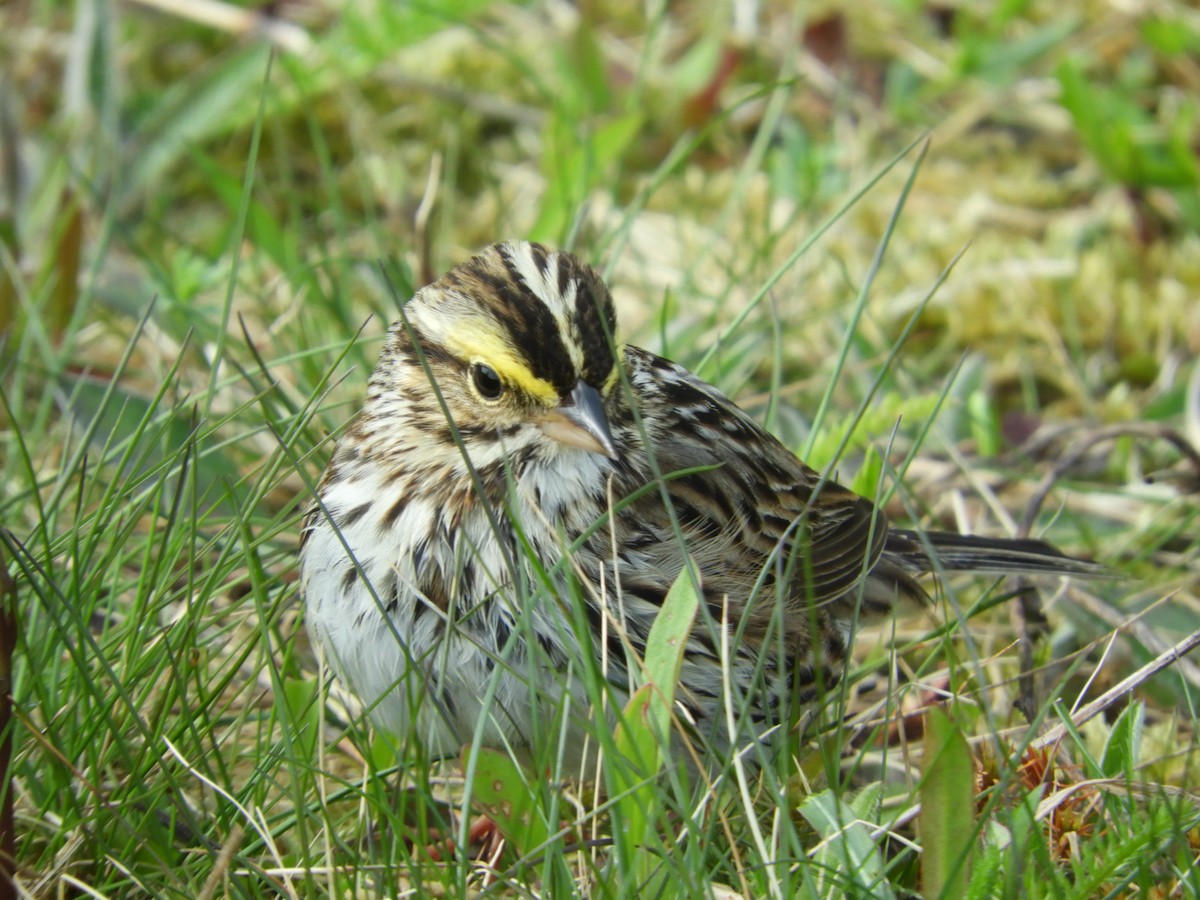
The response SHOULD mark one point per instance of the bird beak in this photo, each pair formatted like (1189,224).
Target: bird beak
(579,421)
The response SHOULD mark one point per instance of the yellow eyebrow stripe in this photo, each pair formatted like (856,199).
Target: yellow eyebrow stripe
(474,344)
(615,375)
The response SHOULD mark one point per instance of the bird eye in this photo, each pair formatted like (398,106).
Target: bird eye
(487,382)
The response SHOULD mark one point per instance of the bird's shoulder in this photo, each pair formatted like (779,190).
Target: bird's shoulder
(736,491)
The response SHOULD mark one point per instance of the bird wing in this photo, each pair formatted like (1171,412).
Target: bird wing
(748,512)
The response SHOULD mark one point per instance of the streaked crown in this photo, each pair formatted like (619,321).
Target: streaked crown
(541,319)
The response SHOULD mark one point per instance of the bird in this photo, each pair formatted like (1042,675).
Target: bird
(520,491)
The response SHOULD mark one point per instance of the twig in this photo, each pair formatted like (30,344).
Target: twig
(232,19)
(1093,709)
(1077,451)
(1119,690)
(1029,617)
(1136,626)
(1028,611)
(221,867)
(421,221)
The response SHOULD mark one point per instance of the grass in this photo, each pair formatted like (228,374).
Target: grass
(194,230)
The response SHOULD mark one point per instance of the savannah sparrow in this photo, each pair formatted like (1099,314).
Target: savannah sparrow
(521,490)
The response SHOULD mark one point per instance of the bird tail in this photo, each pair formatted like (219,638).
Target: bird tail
(933,551)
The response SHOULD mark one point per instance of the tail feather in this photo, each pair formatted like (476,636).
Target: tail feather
(932,551)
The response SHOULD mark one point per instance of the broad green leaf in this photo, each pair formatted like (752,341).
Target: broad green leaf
(947,808)
(643,734)
(666,645)
(304,711)
(866,479)
(64,265)
(866,803)
(1121,749)
(194,111)
(984,422)
(632,784)
(847,845)
(985,873)
(575,160)
(501,789)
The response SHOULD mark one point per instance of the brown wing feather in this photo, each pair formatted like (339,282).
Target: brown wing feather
(753,514)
